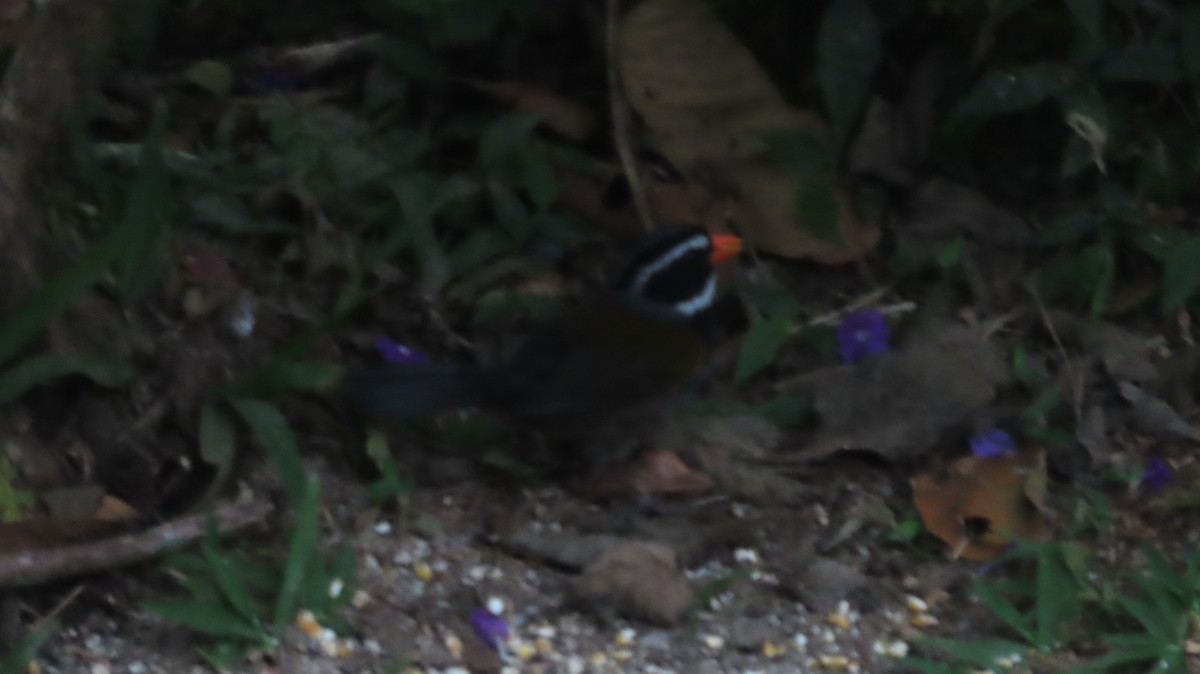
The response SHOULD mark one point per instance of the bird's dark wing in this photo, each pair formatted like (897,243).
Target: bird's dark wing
(604,356)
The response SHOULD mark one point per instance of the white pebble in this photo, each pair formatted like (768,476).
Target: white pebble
(495,605)
(383,528)
(746,556)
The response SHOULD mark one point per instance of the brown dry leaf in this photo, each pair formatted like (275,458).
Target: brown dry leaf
(941,210)
(1152,415)
(558,112)
(86,502)
(654,473)
(899,403)
(1126,355)
(982,505)
(734,451)
(72,503)
(822,582)
(708,105)
(895,139)
(586,194)
(640,580)
(42,534)
(570,550)
(113,509)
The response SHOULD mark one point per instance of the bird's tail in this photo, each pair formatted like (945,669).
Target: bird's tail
(409,391)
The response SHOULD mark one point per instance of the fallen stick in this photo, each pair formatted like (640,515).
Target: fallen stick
(34,567)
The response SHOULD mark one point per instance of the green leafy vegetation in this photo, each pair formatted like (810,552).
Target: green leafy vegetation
(1142,622)
(242,603)
(409,188)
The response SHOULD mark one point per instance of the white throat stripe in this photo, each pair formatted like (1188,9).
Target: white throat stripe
(698,242)
(700,301)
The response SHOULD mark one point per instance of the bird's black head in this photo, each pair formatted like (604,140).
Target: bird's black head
(672,269)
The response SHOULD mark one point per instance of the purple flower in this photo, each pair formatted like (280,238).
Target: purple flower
(861,334)
(397,353)
(1156,475)
(491,628)
(993,444)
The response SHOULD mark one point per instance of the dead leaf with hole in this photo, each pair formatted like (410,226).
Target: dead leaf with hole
(654,473)
(900,403)
(639,580)
(556,111)
(982,505)
(709,106)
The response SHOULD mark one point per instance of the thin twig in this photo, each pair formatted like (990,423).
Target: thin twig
(1076,382)
(317,57)
(622,126)
(833,317)
(39,566)
(61,606)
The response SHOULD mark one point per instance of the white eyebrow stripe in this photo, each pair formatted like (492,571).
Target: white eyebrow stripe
(701,300)
(697,242)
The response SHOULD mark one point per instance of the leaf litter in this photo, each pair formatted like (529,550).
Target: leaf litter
(888,403)
(901,404)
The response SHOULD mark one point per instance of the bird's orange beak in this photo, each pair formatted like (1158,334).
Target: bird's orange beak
(725,246)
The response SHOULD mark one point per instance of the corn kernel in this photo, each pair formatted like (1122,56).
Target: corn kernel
(835,661)
(307,622)
(773,650)
(924,620)
(424,571)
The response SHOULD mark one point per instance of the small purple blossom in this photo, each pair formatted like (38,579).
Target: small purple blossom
(1156,475)
(993,444)
(491,628)
(862,333)
(398,354)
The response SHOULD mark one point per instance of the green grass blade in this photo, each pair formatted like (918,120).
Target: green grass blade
(979,652)
(31,372)
(761,345)
(217,442)
(216,621)
(18,659)
(233,589)
(1150,616)
(34,313)
(276,437)
(300,554)
(1056,596)
(141,231)
(1005,610)
(281,375)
